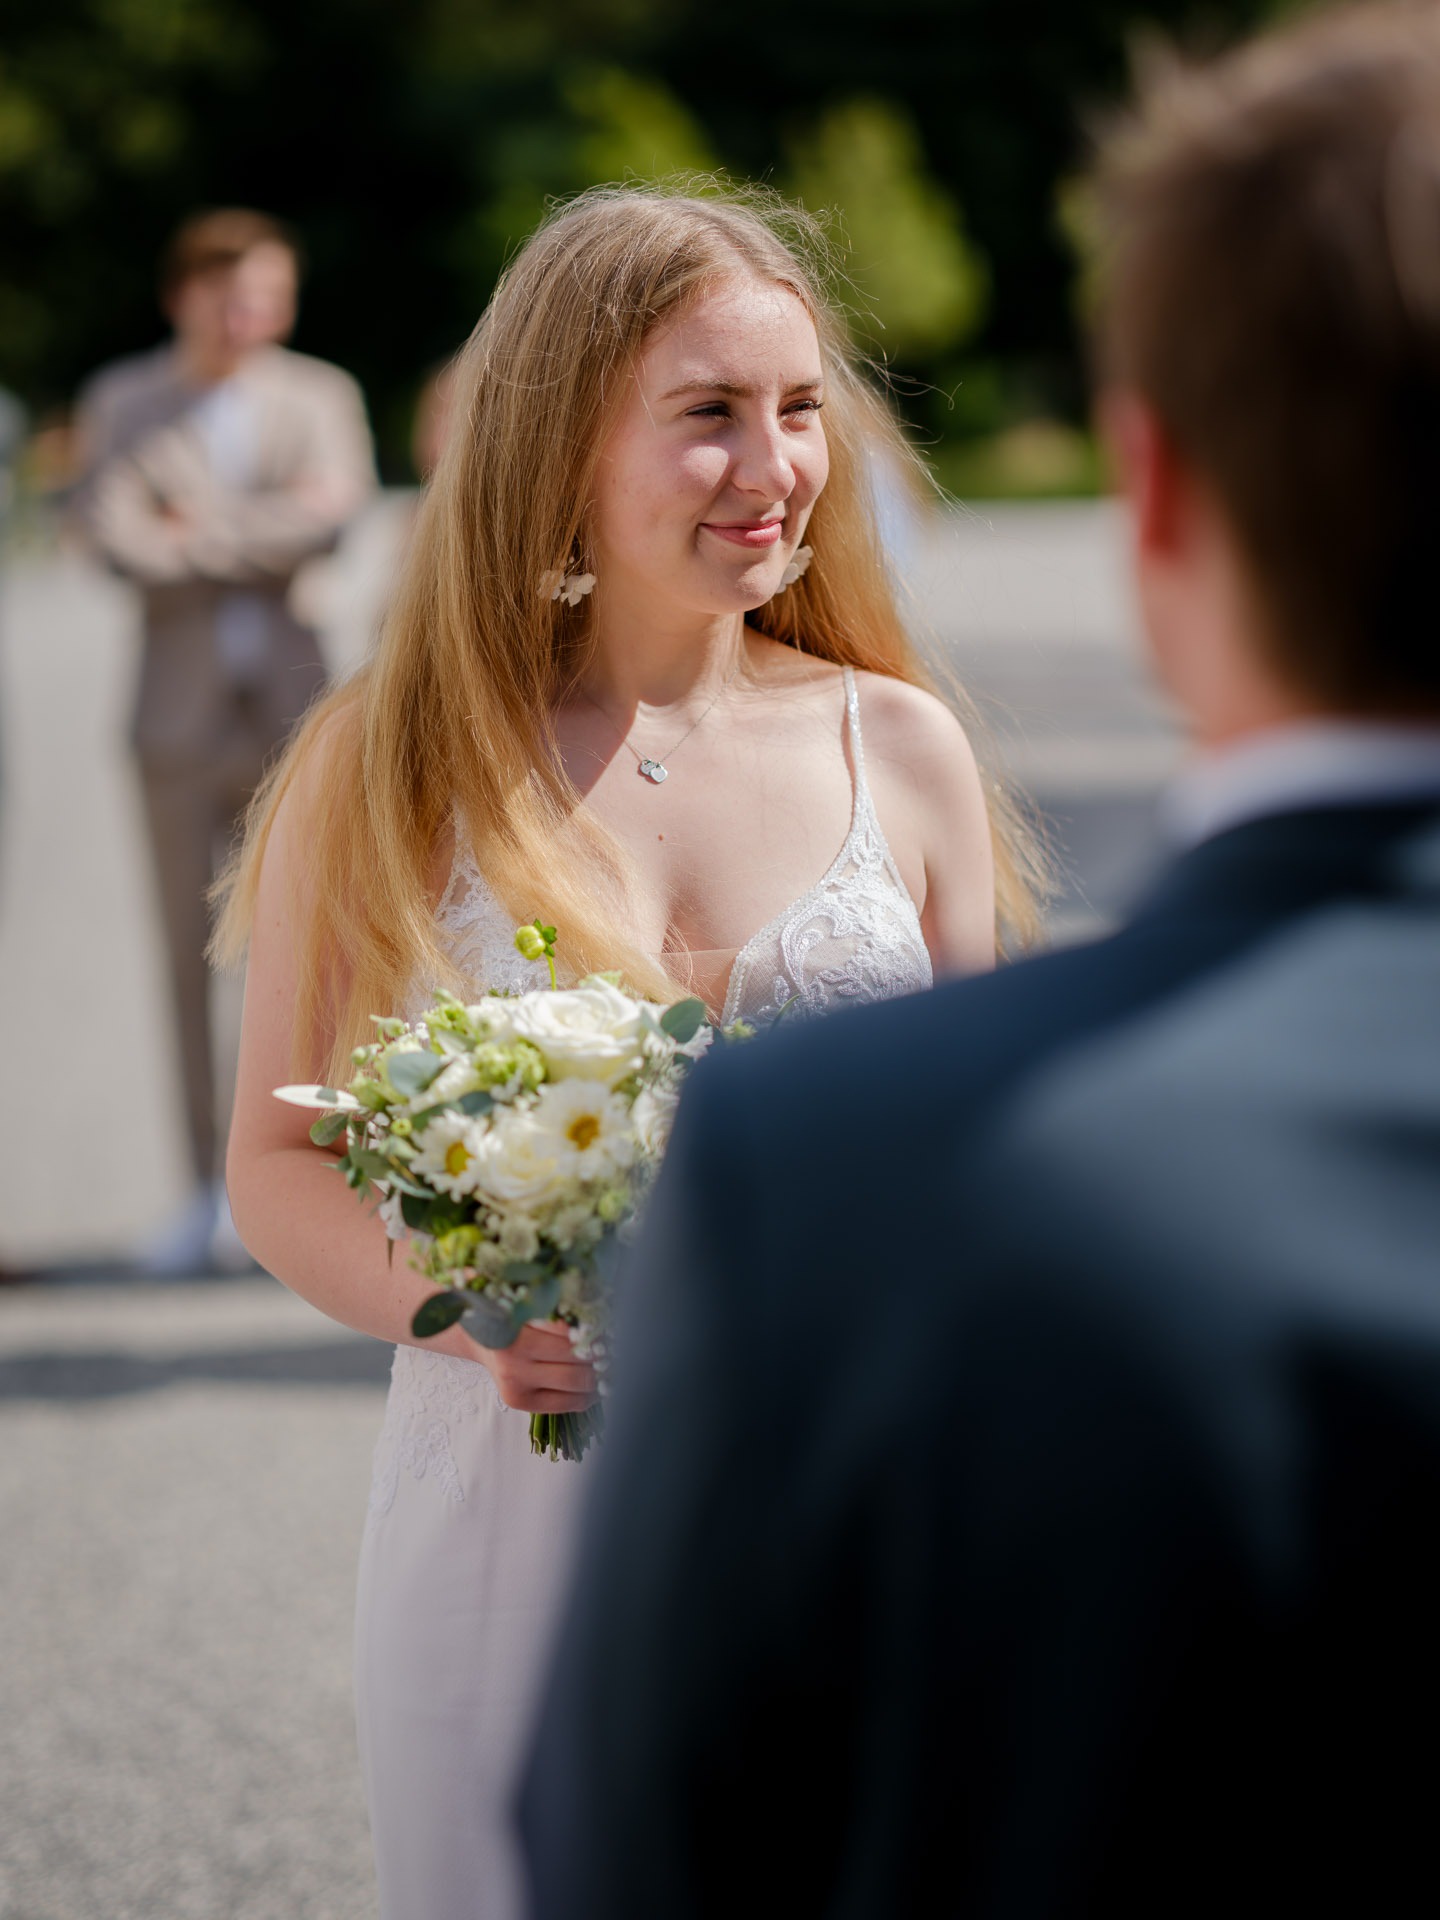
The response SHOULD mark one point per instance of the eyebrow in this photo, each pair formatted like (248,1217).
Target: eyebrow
(731,391)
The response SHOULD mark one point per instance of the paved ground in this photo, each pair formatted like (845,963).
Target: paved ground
(182,1486)
(183,1469)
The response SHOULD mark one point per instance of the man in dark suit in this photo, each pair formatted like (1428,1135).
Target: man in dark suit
(1024,1483)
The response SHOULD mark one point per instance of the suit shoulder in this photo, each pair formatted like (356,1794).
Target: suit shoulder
(305,372)
(965,1040)
(120,381)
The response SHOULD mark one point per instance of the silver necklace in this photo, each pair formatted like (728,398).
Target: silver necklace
(656,771)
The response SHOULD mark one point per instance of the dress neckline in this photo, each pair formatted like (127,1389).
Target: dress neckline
(863,818)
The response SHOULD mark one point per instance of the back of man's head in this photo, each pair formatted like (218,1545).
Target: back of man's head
(1269,230)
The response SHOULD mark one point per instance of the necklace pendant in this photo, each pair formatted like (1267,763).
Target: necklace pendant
(654,771)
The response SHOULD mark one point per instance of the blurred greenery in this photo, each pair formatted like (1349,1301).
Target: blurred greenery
(413,143)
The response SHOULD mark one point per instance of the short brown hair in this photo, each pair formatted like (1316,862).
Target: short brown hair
(220,238)
(1269,281)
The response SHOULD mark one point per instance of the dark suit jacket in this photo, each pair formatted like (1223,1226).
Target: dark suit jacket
(1023,1489)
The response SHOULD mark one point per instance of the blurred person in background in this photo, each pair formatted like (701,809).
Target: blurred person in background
(1048,1369)
(214,467)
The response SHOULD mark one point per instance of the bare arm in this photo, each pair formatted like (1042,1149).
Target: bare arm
(933,808)
(290,1205)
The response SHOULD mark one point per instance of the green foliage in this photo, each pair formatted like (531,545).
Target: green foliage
(414,147)
(436,1314)
(684,1020)
(921,284)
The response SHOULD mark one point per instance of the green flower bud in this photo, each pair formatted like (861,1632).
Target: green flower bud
(401,1124)
(530,943)
(458,1247)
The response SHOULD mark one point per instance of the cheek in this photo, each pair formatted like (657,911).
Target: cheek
(812,467)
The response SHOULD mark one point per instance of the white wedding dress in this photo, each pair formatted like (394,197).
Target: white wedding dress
(466,1548)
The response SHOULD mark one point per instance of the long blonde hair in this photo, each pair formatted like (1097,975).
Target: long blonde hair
(451,721)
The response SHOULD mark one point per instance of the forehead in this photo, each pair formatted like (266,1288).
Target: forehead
(728,333)
(267,264)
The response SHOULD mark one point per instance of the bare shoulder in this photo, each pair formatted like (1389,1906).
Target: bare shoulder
(908,728)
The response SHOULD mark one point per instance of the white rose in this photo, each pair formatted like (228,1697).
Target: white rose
(517,1162)
(594,1032)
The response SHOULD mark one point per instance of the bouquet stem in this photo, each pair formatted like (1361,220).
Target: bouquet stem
(565,1436)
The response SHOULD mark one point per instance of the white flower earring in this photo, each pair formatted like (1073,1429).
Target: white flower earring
(800,560)
(558,584)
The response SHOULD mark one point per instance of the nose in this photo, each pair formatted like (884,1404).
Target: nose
(762,462)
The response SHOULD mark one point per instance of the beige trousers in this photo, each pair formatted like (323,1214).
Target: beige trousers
(194,813)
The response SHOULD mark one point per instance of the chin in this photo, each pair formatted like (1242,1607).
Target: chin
(743,592)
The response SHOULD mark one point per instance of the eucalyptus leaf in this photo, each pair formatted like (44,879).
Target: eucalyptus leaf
(475,1103)
(411,1073)
(487,1324)
(373,1165)
(440,1311)
(539,1303)
(519,1273)
(684,1020)
(422,1119)
(446,1213)
(328,1128)
(416,1213)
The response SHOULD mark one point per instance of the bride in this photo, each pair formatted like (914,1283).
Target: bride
(645,678)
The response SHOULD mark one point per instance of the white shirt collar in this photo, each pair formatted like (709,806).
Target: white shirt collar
(1307,764)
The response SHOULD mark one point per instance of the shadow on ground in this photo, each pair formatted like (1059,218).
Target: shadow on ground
(104,1375)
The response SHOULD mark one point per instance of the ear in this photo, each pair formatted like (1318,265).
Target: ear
(1149,473)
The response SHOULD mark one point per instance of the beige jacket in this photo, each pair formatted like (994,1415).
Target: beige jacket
(153,505)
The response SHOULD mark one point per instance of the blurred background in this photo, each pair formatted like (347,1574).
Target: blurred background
(414,145)
(183,1465)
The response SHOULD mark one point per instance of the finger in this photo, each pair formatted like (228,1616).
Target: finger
(572,1376)
(543,1402)
(544,1334)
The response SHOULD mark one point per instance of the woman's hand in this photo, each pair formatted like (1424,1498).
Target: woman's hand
(539,1373)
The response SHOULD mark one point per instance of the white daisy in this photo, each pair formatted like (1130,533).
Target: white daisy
(448,1153)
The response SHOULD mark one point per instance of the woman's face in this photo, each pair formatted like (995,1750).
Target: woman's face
(706,483)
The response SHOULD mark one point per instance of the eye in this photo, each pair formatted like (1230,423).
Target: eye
(712,410)
(803,410)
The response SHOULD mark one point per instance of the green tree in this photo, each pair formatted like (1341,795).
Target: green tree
(921,286)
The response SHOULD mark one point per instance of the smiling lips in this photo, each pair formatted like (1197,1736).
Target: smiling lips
(746,533)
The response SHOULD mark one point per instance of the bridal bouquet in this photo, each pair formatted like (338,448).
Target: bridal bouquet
(512,1140)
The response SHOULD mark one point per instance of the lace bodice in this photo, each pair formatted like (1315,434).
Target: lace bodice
(854,936)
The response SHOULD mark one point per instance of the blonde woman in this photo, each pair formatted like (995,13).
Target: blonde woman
(645,676)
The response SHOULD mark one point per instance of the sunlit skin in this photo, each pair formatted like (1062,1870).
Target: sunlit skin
(1198,609)
(708,478)
(705,483)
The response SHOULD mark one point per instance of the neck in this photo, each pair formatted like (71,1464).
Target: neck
(665,662)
